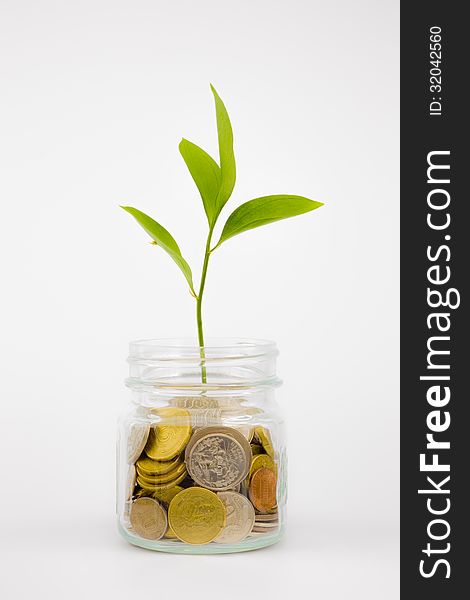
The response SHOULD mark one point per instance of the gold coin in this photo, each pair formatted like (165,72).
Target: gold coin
(148,518)
(258,461)
(148,467)
(168,438)
(197,516)
(262,490)
(170,534)
(166,496)
(159,487)
(156,479)
(142,493)
(265,439)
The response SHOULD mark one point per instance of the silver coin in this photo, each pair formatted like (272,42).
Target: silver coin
(136,440)
(127,513)
(267,518)
(256,531)
(194,402)
(218,458)
(240,518)
(148,518)
(203,402)
(206,417)
(246,430)
(130,481)
(261,525)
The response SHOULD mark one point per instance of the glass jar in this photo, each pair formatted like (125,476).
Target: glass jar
(201,460)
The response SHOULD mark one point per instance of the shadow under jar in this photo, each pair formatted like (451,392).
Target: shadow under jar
(201,461)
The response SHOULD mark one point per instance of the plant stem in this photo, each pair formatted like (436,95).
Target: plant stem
(200,330)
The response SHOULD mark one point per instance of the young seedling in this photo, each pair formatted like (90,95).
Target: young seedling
(215,182)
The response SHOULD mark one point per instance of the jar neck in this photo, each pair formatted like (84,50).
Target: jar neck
(223,367)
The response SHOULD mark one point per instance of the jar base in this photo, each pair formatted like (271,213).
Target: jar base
(177,547)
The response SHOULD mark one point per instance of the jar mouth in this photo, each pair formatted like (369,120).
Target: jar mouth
(222,364)
(215,349)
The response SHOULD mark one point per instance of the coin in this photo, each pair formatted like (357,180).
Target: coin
(196,515)
(236,418)
(163,493)
(130,481)
(240,518)
(246,430)
(170,534)
(261,460)
(262,530)
(218,458)
(206,417)
(166,440)
(262,491)
(195,402)
(146,466)
(126,513)
(267,518)
(143,493)
(262,525)
(166,496)
(271,511)
(244,487)
(233,407)
(264,437)
(256,449)
(158,487)
(156,479)
(148,518)
(136,440)
(259,531)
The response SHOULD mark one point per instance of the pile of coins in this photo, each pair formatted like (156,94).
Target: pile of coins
(197,483)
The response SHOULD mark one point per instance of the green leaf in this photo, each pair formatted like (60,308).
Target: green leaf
(205,173)
(163,238)
(227,157)
(262,211)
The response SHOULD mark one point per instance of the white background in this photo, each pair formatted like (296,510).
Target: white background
(95,97)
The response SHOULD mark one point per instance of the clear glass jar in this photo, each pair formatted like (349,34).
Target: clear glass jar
(201,459)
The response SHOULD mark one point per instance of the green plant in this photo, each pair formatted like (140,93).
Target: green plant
(215,183)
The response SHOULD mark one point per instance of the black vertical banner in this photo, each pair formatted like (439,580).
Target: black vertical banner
(435,256)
